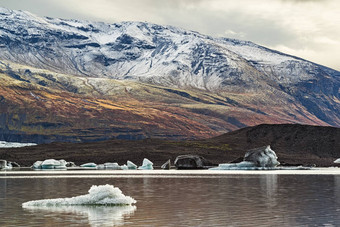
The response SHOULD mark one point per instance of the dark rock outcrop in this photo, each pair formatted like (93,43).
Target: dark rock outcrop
(191,162)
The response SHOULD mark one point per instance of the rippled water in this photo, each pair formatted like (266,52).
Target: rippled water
(178,200)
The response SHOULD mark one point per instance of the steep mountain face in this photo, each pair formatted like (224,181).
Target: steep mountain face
(235,83)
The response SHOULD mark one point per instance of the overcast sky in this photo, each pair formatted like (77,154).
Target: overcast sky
(306,28)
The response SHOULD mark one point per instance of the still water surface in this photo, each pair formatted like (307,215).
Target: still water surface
(206,200)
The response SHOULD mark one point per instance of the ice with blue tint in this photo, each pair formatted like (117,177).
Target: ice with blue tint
(245,165)
(109,165)
(131,165)
(50,164)
(107,195)
(53,164)
(147,165)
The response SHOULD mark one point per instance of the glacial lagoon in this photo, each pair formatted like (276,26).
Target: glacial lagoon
(177,198)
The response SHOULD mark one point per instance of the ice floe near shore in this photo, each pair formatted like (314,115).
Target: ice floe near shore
(263,158)
(4,144)
(106,195)
(52,164)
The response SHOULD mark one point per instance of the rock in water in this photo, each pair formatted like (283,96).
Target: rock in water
(190,162)
(262,157)
(166,165)
(3,164)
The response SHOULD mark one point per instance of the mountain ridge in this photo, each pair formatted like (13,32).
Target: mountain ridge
(211,85)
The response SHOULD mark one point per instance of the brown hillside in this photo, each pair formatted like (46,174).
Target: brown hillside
(294,144)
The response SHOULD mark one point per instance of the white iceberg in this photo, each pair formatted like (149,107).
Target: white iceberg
(107,195)
(37,165)
(147,165)
(256,159)
(262,157)
(89,165)
(337,161)
(50,164)
(109,165)
(124,167)
(131,165)
(53,164)
(4,165)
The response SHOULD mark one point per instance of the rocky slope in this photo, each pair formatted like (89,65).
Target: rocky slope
(293,144)
(78,81)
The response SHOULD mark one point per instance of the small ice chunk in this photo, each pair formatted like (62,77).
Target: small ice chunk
(53,164)
(131,165)
(235,166)
(124,167)
(98,195)
(337,161)
(110,165)
(3,164)
(147,165)
(101,166)
(166,165)
(37,165)
(89,165)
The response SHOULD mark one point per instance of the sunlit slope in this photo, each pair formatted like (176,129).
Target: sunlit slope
(42,106)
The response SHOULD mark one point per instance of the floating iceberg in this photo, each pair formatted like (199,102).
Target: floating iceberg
(107,195)
(89,165)
(53,164)
(255,159)
(337,161)
(166,165)
(4,165)
(131,165)
(4,144)
(50,164)
(109,165)
(147,165)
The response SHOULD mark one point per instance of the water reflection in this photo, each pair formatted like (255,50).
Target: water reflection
(269,188)
(96,215)
(337,189)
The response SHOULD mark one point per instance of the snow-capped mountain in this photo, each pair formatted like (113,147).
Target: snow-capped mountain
(241,73)
(148,52)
